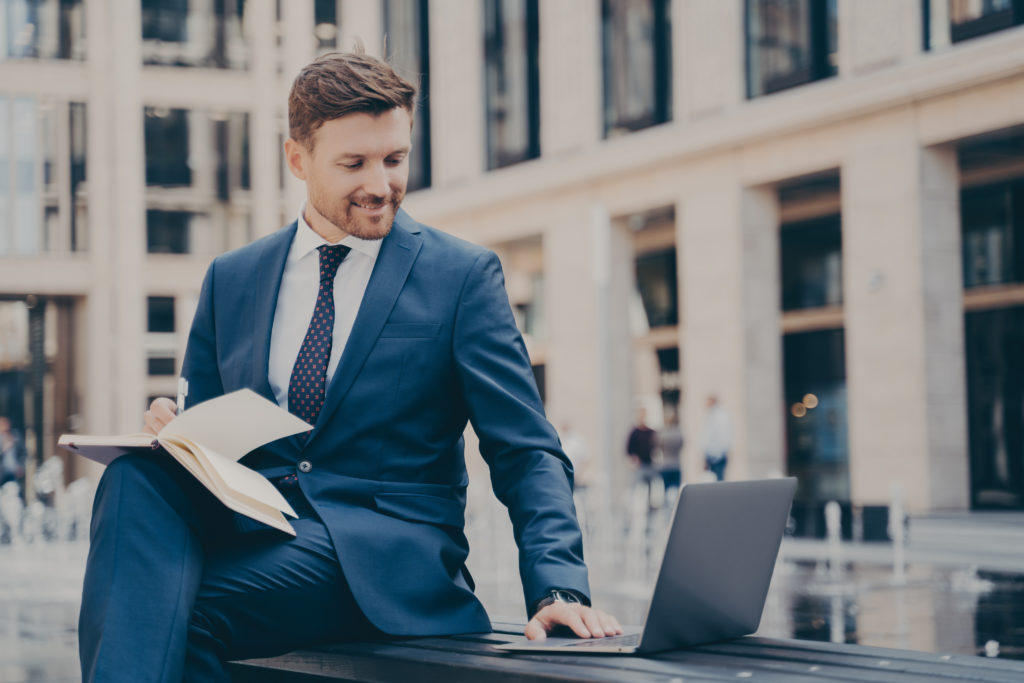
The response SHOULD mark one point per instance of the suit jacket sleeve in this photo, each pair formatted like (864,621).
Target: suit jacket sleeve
(530,473)
(200,367)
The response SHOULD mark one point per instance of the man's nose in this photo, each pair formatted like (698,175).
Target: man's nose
(376,181)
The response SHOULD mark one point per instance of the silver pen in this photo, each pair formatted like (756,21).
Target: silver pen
(182,393)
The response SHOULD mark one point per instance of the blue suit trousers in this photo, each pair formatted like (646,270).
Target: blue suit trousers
(173,590)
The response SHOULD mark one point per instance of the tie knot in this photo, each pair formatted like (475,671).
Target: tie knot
(331,256)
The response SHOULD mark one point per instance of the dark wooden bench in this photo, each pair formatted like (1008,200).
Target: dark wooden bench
(472,659)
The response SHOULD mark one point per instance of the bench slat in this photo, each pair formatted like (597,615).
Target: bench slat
(472,658)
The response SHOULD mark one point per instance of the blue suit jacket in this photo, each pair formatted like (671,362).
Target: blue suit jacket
(434,345)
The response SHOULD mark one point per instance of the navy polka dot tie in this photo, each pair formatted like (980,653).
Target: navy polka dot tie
(308,383)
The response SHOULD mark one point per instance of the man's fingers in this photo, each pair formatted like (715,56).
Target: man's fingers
(161,411)
(592,620)
(571,617)
(609,624)
(561,614)
(583,621)
(534,631)
(163,406)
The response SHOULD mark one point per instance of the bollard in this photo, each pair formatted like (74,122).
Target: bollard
(833,527)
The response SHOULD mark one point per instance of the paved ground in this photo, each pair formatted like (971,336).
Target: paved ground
(962,591)
(39,597)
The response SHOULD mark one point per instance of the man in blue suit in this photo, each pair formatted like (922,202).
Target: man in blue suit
(388,336)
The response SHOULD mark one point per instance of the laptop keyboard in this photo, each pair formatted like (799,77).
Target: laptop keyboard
(628,640)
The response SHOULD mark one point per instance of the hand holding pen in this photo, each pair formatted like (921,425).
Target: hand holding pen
(162,410)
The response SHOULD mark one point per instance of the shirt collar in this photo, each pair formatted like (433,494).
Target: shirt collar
(306,240)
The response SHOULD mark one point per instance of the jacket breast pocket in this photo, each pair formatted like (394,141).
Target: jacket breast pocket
(410,331)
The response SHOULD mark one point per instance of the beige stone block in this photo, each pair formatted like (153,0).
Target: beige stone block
(873,33)
(972,111)
(790,156)
(570,79)
(705,33)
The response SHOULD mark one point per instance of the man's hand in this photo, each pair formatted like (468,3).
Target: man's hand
(584,621)
(161,411)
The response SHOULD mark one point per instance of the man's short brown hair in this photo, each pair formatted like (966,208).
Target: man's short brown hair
(341,83)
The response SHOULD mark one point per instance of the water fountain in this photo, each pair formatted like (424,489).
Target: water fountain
(897,532)
(834,531)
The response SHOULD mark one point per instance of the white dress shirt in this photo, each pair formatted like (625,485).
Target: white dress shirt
(297,299)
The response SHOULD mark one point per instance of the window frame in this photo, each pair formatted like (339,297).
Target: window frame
(816,43)
(499,158)
(661,78)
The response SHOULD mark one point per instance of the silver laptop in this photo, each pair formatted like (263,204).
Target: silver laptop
(714,577)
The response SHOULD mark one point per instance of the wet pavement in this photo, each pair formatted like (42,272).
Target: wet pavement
(953,606)
(39,598)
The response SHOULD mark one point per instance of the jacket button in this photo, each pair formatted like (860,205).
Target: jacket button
(305,466)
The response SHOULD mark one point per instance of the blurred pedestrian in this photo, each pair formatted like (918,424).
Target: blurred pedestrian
(670,443)
(640,449)
(716,439)
(12,453)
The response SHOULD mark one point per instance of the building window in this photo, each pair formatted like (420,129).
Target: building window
(198,180)
(512,81)
(42,29)
(77,157)
(814,367)
(529,312)
(42,173)
(160,314)
(995,406)
(789,43)
(192,33)
(658,285)
(167,232)
(160,340)
(637,56)
(669,378)
(167,147)
(973,18)
(406,37)
(812,263)
(992,218)
(325,25)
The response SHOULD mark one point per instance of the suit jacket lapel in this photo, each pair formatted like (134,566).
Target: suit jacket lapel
(269,271)
(397,254)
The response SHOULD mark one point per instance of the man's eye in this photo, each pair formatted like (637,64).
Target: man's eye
(394,161)
(353,166)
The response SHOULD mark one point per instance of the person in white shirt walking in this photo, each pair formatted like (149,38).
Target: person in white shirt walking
(716,439)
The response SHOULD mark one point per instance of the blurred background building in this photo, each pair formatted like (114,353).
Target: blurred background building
(813,209)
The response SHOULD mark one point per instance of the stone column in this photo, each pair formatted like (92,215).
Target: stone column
(731,337)
(707,57)
(904,317)
(299,48)
(116,306)
(264,120)
(456,91)
(938,30)
(587,263)
(570,80)
(874,34)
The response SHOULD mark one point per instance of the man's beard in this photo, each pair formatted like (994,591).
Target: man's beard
(363,227)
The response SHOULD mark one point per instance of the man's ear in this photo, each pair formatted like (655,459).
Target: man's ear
(295,155)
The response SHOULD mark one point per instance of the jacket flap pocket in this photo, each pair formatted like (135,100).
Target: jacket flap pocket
(410,330)
(420,507)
